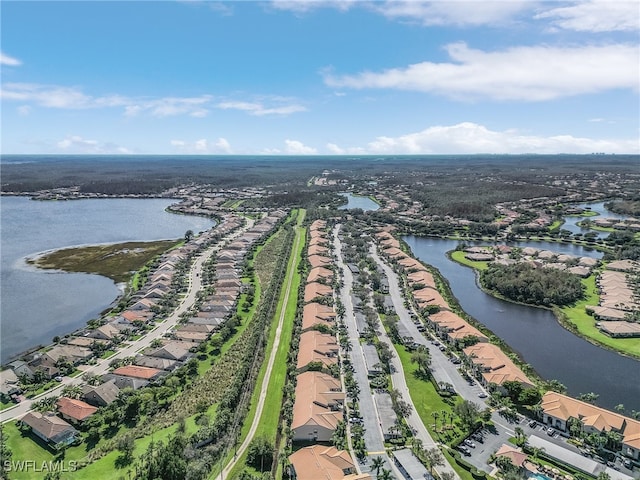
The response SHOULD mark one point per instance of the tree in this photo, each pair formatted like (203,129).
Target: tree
(469,414)
(589,397)
(421,357)
(520,436)
(188,235)
(72,391)
(432,458)
(260,454)
(377,463)
(386,475)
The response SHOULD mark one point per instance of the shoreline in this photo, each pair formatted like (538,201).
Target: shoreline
(565,322)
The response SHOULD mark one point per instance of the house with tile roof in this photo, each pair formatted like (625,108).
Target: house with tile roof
(317,347)
(50,428)
(318,407)
(319,462)
(493,367)
(558,409)
(75,411)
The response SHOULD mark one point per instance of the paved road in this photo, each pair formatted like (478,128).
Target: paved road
(272,358)
(373,436)
(195,284)
(397,375)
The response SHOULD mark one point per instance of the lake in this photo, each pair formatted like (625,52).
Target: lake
(571,223)
(39,304)
(535,333)
(355,201)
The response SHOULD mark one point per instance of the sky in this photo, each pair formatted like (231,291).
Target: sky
(319,77)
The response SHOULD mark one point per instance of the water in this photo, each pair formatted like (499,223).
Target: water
(535,333)
(363,203)
(571,223)
(39,304)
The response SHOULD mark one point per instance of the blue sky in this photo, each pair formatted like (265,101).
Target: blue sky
(317,77)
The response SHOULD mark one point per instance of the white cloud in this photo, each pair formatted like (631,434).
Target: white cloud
(294,147)
(520,73)
(258,109)
(304,6)
(24,110)
(223,145)
(335,149)
(595,16)
(78,144)
(471,138)
(202,146)
(170,106)
(453,12)
(54,96)
(9,61)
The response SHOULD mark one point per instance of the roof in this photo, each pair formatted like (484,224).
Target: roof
(319,272)
(496,366)
(107,391)
(408,462)
(516,455)
(564,407)
(317,347)
(316,393)
(316,289)
(76,409)
(136,371)
(48,425)
(321,463)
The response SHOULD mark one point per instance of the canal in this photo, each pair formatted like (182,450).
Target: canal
(535,333)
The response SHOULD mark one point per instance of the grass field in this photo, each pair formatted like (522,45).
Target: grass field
(458,256)
(269,420)
(585,323)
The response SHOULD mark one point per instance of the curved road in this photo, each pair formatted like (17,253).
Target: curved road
(195,285)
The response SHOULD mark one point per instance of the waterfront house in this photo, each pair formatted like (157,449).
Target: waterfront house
(8,384)
(493,367)
(50,428)
(559,409)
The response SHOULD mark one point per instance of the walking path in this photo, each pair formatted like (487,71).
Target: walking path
(272,357)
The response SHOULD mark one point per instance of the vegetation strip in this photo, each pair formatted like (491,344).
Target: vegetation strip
(282,310)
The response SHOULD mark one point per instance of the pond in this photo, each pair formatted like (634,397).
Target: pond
(356,201)
(535,333)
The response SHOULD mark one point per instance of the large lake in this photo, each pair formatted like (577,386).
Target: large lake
(356,201)
(39,304)
(535,333)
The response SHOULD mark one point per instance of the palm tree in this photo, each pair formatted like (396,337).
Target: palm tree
(435,416)
(377,463)
(72,391)
(519,435)
(385,475)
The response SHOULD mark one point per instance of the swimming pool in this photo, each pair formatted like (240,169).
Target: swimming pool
(537,476)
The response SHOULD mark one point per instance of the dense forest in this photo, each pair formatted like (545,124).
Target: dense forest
(539,286)
(626,207)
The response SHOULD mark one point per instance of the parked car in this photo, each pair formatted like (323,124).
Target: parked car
(533,424)
(469,443)
(465,450)
(627,463)
(482,395)
(550,431)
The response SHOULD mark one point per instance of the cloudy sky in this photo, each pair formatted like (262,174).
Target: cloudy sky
(316,77)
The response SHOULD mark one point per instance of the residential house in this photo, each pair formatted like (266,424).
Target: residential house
(317,347)
(319,462)
(136,371)
(318,407)
(75,411)
(100,395)
(493,367)
(50,428)
(559,409)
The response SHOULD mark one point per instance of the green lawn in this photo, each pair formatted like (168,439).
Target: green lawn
(458,256)
(585,323)
(556,224)
(269,421)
